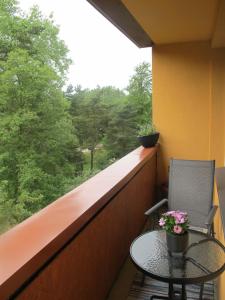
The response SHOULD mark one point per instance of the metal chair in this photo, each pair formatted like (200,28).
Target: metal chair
(220,183)
(191,184)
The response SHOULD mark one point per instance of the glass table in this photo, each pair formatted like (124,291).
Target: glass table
(203,260)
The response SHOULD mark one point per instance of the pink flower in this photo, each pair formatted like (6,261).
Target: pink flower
(177,229)
(179,219)
(170,213)
(182,220)
(161,222)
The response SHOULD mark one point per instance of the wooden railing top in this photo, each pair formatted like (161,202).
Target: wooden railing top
(29,245)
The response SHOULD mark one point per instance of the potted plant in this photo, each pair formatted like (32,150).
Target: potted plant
(148,135)
(175,223)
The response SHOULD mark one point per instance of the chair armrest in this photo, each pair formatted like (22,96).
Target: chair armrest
(155,207)
(211,215)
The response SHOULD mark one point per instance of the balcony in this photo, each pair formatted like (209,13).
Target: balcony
(75,247)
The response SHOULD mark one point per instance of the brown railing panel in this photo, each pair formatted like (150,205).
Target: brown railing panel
(90,256)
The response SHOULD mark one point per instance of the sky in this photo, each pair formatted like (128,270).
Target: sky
(101,54)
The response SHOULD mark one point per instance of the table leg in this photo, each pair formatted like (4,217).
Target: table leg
(171,294)
(201,291)
(183,292)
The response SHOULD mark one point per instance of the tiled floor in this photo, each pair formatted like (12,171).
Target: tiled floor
(154,287)
(122,285)
(127,287)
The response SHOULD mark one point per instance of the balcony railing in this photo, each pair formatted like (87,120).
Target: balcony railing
(74,248)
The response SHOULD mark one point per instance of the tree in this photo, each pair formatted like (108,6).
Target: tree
(89,114)
(121,134)
(134,110)
(38,145)
(139,89)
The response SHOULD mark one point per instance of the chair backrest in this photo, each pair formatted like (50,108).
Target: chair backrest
(191,185)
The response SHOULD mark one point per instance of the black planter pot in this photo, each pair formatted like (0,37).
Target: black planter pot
(148,141)
(177,243)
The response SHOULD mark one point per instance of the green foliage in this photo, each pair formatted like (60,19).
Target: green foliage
(86,174)
(133,110)
(52,141)
(90,117)
(38,147)
(146,129)
(121,134)
(110,118)
(139,89)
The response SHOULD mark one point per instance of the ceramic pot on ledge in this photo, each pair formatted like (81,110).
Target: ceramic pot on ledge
(150,140)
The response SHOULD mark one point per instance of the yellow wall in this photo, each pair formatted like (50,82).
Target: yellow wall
(181,98)
(217,140)
(189,108)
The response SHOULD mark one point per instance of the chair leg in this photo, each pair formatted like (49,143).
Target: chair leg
(183,292)
(201,291)
(212,230)
(171,294)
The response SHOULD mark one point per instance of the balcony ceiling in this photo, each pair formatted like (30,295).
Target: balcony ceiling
(148,22)
(174,21)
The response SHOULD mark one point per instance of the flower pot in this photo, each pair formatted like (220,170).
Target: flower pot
(177,243)
(148,141)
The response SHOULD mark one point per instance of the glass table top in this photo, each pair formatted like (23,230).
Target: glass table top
(203,261)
